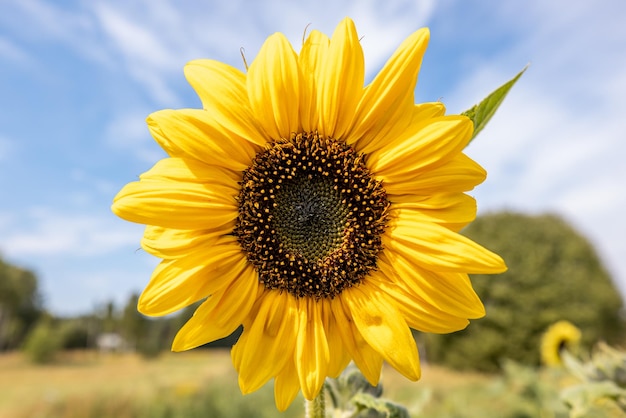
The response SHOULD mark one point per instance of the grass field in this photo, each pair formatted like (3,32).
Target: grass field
(89,375)
(203,383)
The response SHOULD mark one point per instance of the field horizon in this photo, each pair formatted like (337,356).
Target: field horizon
(88,377)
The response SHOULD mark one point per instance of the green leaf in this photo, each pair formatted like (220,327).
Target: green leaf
(369,406)
(482,112)
(594,399)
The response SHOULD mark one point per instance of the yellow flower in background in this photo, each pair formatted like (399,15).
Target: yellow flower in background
(321,214)
(559,336)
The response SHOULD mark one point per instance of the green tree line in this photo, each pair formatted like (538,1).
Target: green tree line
(25,323)
(20,304)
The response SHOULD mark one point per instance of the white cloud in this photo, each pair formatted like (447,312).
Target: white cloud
(132,39)
(46,232)
(143,51)
(46,22)
(153,40)
(384,25)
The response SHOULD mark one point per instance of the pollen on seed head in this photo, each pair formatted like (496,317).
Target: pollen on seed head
(324,211)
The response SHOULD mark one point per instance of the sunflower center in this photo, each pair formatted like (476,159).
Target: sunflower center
(311,216)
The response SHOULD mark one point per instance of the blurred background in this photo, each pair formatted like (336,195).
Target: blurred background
(78,78)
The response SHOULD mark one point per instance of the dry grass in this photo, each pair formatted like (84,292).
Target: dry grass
(87,375)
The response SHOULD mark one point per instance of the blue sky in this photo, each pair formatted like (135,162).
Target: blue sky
(78,78)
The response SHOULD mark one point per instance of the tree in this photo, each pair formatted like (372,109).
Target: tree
(134,326)
(554,274)
(43,342)
(20,304)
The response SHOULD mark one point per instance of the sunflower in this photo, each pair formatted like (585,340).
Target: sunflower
(562,335)
(320,214)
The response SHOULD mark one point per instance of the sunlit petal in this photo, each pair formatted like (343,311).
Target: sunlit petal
(273,88)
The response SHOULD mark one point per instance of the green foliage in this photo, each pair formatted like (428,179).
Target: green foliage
(481,113)
(43,343)
(351,395)
(518,392)
(74,335)
(20,304)
(139,331)
(601,391)
(554,274)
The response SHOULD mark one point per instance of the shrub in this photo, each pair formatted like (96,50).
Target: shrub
(43,343)
(554,274)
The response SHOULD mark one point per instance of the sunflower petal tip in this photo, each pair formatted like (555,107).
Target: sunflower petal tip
(347,21)
(499,265)
(143,307)
(244,386)
(412,369)
(424,33)
(115,206)
(481,309)
(178,345)
(281,406)
(414,373)
(192,63)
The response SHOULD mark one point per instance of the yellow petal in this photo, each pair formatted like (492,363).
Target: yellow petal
(452,210)
(460,174)
(176,205)
(419,314)
(428,110)
(380,136)
(446,292)
(266,345)
(368,360)
(339,356)
(192,171)
(221,314)
(273,88)
(423,145)
(340,82)
(183,281)
(171,243)
(312,355)
(311,56)
(435,247)
(198,134)
(222,90)
(383,327)
(387,102)
(286,386)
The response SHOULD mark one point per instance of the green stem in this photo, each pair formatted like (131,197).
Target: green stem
(316,408)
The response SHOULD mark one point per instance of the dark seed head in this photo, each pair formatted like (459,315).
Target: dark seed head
(311,216)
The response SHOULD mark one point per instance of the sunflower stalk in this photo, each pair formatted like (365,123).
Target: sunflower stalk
(316,408)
